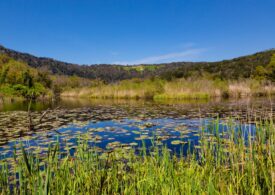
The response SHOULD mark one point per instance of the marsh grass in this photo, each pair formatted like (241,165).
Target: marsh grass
(233,161)
(192,88)
(127,89)
(246,88)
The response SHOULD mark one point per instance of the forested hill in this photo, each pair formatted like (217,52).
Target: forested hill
(242,67)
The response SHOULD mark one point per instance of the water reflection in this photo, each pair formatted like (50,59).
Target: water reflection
(176,134)
(17,104)
(127,123)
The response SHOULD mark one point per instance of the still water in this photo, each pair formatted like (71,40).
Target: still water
(107,124)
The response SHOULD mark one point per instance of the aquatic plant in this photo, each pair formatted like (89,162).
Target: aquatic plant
(158,89)
(234,160)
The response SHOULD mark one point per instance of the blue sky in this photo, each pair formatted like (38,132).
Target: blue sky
(137,31)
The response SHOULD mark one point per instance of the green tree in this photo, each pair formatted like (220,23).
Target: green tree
(4,74)
(27,79)
(260,72)
(44,78)
(271,69)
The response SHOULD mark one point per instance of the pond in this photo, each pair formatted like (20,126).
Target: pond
(107,124)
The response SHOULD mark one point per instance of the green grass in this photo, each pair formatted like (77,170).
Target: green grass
(196,95)
(141,68)
(223,163)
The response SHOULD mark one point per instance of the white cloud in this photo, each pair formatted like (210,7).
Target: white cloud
(114,53)
(182,56)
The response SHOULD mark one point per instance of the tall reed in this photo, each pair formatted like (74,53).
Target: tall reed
(235,160)
(192,88)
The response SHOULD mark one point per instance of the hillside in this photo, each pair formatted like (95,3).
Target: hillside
(242,67)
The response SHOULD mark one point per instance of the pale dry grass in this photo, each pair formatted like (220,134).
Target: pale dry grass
(182,88)
(78,92)
(116,92)
(128,89)
(239,90)
(269,89)
(176,89)
(246,88)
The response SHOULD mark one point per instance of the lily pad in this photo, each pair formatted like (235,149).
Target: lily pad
(177,142)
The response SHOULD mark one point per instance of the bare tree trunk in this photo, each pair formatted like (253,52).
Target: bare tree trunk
(30,116)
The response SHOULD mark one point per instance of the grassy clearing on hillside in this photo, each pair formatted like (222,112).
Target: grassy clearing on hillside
(228,162)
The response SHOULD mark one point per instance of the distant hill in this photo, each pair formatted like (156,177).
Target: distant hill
(242,67)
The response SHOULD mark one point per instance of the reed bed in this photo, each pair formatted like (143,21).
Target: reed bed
(128,89)
(246,88)
(191,88)
(233,161)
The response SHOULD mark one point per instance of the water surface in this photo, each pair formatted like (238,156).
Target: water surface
(107,124)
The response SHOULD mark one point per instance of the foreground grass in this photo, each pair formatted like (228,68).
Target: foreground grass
(201,88)
(228,162)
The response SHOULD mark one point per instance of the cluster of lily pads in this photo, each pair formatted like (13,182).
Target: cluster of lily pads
(112,134)
(227,157)
(15,124)
(176,134)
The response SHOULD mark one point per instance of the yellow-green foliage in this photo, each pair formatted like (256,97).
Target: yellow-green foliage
(17,78)
(272,61)
(68,82)
(141,68)
(12,71)
(261,72)
(267,72)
